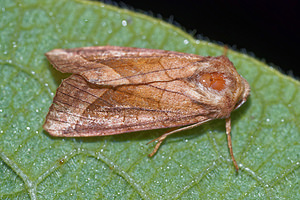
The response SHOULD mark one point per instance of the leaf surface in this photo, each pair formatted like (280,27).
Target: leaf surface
(191,164)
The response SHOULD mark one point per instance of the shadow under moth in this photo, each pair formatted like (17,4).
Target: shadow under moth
(115,90)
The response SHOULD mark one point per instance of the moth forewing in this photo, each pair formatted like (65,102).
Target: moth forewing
(133,67)
(94,111)
(114,90)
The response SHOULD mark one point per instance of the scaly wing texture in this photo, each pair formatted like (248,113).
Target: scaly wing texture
(82,109)
(111,65)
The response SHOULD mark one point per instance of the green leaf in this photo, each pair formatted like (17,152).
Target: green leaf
(193,164)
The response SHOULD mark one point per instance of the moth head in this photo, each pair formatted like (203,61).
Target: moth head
(244,95)
(219,85)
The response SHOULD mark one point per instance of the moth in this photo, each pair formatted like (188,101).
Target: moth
(115,90)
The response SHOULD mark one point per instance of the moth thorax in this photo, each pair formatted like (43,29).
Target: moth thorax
(215,81)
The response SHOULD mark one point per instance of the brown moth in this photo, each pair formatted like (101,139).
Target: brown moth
(114,90)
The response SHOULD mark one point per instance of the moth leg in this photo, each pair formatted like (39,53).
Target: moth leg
(160,140)
(228,130)
(173,130)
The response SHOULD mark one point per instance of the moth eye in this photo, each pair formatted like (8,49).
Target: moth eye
(214,80)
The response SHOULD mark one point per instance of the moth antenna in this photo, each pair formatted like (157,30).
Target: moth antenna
(228,130)
(225,50)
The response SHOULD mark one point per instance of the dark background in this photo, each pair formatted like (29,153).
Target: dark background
(269,29)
